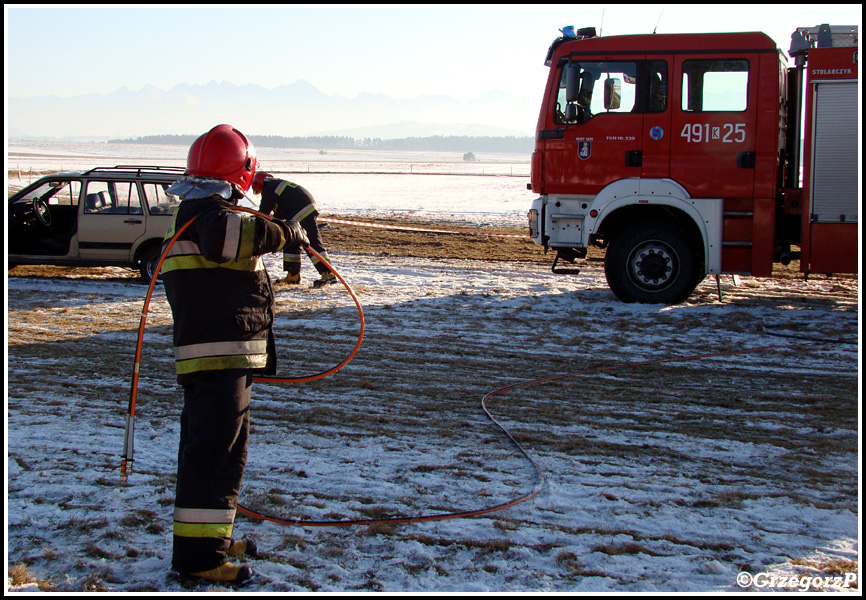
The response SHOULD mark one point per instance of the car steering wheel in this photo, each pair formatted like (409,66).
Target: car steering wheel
(40,209)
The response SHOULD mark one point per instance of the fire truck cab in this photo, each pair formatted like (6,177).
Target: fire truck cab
(680,154)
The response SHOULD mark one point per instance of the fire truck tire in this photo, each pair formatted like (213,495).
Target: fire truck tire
(651,262)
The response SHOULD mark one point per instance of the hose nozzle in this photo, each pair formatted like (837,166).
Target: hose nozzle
(124,472)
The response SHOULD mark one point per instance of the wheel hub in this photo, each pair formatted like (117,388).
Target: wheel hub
(652,266)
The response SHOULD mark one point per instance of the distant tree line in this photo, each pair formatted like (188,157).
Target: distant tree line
(453,143)
(185,140)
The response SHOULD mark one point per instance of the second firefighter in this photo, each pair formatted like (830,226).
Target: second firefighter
(292,202)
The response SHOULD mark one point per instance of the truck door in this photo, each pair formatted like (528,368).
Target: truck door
(595,139)
(655,104)
(713,125)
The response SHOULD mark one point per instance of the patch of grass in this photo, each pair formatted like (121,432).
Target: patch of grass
(380,529)
(95,581)
(84,525)
(427,468)
(569,561)
(95,551)
(625,548)
(291,540)
(499,545)
(138,518)
(378,512)
(507,524)
(835,566)
(729,498)
(18,575)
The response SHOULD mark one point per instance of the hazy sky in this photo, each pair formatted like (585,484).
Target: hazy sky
(401,51)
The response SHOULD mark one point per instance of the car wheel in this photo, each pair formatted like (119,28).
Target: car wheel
(149,262)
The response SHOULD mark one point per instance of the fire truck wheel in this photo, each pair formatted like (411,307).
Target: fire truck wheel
(651,262)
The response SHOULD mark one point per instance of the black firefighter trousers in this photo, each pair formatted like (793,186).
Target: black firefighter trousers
(214,437)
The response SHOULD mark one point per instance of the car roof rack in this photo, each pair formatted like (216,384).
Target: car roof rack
(138,168)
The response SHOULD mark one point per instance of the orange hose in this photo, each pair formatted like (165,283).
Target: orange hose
(332,370)
(434,517)
(539,474)
(125,463)
(127,458)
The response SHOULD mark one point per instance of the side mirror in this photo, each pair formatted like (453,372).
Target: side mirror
(572,82)
(612,94)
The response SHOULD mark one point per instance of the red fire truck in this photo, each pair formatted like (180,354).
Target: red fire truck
(681,156)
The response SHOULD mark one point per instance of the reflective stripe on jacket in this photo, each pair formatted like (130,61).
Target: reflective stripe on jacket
(288,201)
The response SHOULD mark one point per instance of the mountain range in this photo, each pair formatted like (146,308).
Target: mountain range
(298,109)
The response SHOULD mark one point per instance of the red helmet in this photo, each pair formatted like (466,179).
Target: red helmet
(223,153)
(259,181)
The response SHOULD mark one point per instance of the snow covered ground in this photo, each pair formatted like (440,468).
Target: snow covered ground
(693,450)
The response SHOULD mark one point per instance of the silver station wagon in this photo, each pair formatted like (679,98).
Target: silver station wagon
(107,216)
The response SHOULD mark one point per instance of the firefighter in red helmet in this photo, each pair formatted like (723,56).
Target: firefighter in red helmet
(222,303)
(290,201)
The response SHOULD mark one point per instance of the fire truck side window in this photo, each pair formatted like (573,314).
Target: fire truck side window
(715,85)
(656,87)
(613,87)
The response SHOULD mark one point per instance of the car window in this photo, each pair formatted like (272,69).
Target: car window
(112,197)
(59,193)
(127,200)
(158,201)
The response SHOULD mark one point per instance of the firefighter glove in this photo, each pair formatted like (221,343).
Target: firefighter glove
(295,234)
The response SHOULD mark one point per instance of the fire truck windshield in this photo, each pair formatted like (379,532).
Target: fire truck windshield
(604,87)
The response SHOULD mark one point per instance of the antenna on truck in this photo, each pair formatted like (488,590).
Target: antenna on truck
(600,27)
(659,21)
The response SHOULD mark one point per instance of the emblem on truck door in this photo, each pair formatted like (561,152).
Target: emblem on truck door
(584,150)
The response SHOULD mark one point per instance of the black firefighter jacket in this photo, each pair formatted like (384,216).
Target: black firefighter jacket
(218,288)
